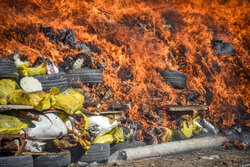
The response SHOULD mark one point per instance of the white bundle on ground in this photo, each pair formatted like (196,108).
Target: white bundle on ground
(30,84)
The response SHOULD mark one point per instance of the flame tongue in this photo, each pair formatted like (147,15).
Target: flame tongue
(138,40)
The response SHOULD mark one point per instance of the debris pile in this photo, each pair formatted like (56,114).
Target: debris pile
(100,77)
(58,120)
(63,117)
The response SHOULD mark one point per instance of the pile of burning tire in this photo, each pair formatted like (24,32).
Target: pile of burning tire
(157,59)
(73,78)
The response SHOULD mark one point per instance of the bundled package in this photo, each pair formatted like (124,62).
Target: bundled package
(39,100)
(7,86)
(10,125)
(69,102)
(24,70)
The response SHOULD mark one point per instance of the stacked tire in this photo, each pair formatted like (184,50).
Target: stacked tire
(8,69)
(99,152)
(86,76)
(58,80)
(14,161)
(62,159)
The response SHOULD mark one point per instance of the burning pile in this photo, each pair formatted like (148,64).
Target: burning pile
(146,55)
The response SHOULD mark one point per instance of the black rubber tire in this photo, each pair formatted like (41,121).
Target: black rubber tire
(8,69)
(16,161)
(120,146)
(99,152)
(77,77)
(58,80)
(5,61)
(176,79)
(61,159)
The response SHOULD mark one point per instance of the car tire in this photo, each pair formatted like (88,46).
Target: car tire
(62,159)
(58,80)
(78,77)
(8,69)
(98,152)
(14,161)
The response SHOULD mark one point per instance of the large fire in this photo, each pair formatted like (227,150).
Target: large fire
(141,38)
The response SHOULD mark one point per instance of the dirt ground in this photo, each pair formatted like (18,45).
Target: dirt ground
(206,158)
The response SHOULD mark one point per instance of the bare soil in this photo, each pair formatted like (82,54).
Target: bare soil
(206,158)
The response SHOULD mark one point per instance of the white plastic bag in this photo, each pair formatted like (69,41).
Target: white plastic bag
(30,84)
(50,127)
(100,125)
(34,146)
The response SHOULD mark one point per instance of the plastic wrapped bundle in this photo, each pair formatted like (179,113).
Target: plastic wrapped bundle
(39,100)
(7,86)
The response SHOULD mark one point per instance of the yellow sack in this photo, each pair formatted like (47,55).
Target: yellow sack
(185,132)
(113,136)
(107,138)
(69,102)
(189,128)
(118,134)
(39,100)
(24,70)
(10,125)
(197,129)
(7,86)
(167,136)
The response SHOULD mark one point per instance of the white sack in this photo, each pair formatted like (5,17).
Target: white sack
(50,127)
(101,125)
(34,146)
(30,84)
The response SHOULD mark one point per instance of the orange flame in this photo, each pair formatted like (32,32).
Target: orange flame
(140,38)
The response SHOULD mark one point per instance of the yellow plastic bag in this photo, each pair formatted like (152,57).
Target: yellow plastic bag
(7,86)
(24,70)
(185,132)
(118,134)
(197,129)
(167,136)
(10,125)
(113,136)
(107,138)
(189,127)
(69,102)
(39,100)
